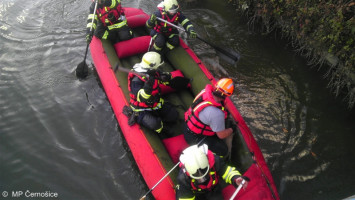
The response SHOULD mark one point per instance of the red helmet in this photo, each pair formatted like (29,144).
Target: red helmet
(225,87)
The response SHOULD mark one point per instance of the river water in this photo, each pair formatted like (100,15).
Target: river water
(59,135)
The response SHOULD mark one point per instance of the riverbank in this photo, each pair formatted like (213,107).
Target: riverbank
(321,31)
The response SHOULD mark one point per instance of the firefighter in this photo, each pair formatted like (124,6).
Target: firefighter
(147,107)
(110,22)
(207,116)
(200,174)
(165,35)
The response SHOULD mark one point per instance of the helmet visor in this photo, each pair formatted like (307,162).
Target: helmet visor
(222,93)
(173,10)
(219,94)
(200,173)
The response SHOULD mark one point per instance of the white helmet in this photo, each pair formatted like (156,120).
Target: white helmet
(195,161)
(171,6)
(151,60)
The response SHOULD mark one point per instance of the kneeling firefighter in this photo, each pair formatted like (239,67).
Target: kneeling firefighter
(200,173)
(109,22)
(164,34)
(147,107)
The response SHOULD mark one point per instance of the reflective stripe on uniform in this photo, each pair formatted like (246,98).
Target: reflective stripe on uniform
(91,24)
(105,35)
(188,27)
(172,35)
(156,47)
(161,127)
(229,173)
(91,16)
(192,198)
(201,104)
(118,25)
(184,22)
(142,93)
(214,181)
(157,107)
(171,47)
(114,3)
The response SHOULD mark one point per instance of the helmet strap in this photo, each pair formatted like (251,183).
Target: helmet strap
(218,94)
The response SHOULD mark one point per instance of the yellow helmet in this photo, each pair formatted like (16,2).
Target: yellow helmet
(151,60)
(225,87)
(195,161)
(171,6)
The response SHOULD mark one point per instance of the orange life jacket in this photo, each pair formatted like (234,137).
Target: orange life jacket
(201,101)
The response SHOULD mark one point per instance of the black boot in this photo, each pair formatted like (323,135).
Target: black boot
(166,133)
(132,118)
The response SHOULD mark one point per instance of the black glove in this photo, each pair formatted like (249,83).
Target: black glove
(148,86)
(179,82)
(151,22)
(88,38)
(127,111)
(152,73)
(165,76)
(132,118)
(231,124)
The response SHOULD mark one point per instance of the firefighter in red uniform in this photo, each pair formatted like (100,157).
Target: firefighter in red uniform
(207,117)
(149,109)
(163,33)
(201,172)
(109,22)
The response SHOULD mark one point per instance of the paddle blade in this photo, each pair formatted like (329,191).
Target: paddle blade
(82,70)
(232,57)
(228,55)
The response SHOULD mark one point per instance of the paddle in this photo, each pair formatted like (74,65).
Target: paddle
(145,195)
(229,140)
(231,56)
(177,164)
(237,190)
(82,68)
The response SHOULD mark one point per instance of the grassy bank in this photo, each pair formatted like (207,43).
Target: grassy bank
(323,31)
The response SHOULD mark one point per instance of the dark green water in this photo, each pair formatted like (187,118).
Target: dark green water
(59,134)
